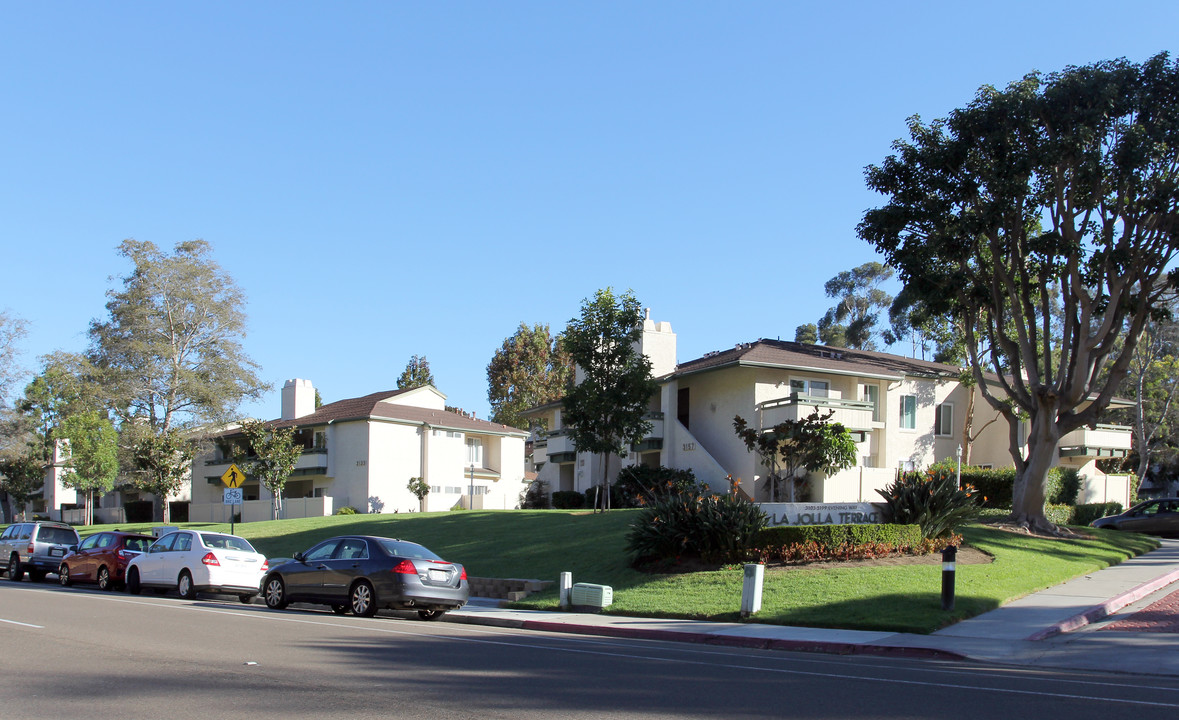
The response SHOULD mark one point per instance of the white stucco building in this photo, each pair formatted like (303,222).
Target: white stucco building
(903,412)
(362,452)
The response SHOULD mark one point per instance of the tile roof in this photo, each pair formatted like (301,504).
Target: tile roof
(782,353)
(372,406)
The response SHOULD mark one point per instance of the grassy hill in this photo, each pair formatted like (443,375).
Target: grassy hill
(542,544)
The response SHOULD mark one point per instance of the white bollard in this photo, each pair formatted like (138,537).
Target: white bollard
(566,585)
(751,589)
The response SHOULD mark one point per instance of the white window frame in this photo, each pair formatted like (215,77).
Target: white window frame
(943,426)
(912,421)
(803,386)
(867,391)
(475,451)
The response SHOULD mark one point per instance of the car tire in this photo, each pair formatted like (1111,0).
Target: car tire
(104,579)
(63,575)
(362,600)
(274,592)
(15,571)
(133,585)
(431,614)
(246,599)
(340,609)
(185,587)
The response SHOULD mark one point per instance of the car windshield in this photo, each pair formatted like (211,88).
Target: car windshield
(400,548)
(60,536)
(226,542)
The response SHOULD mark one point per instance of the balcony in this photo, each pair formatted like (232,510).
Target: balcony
(561,448)
(311,461)
(653,440)
(1097,442)
(854,415)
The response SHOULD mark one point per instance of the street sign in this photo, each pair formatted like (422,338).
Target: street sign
(232,496)
(233,478)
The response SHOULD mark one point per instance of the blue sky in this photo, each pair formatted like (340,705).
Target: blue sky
(388,179)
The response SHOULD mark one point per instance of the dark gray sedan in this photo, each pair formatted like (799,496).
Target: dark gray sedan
(1154,517)
(364,573)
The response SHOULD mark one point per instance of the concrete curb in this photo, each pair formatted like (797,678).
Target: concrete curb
(1105,609)
(716,639)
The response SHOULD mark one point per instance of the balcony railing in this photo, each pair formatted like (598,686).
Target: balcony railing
(852,414)
(560,448)
(1100,441)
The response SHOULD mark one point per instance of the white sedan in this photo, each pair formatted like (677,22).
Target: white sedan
(193,561)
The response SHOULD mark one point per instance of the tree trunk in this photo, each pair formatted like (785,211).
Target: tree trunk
(6,507)
(159,510)
(1028,498)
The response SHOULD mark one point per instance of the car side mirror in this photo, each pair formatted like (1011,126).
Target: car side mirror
(300,557)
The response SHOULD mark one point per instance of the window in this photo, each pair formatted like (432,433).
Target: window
(475,452)
(322,551)
(907,465)
(871,394)
(944,420)
(909,412)
(89,542)
(105,540)
(814,388)
(479,490)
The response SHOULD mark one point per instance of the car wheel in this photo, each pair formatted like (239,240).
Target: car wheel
(274,592)
(15,571)
(36,575)
(133,585)
(104,579)
(362,600)
(63,575)
(431,614)
(339,609)
(246,599)
(184,586)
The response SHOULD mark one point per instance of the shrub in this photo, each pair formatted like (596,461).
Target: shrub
(638,485)
(590,498)
(1064,485)
(347,510)
(568,500)
(535,496)
(1080,514)
(810,543)
(714,528)
(931,500)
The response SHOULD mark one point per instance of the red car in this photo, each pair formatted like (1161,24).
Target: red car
(102,558)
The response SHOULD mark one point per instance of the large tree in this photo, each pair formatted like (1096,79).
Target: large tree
(531,368)
(1060,188)
(1153,381)
(605,410)
(416,374)
(272,458)
(12,331)
(852,322)
(170,352)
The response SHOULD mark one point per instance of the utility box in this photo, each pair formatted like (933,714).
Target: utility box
(593,596)
(162,530)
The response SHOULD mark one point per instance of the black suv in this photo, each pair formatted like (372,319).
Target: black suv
(36,548)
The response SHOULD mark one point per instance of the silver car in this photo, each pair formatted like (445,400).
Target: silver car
(36,548)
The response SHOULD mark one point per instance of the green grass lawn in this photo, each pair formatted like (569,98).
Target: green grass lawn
(541,544)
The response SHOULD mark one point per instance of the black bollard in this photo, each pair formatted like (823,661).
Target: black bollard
(948,557)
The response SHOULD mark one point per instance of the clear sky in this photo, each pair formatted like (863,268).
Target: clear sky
(392,178)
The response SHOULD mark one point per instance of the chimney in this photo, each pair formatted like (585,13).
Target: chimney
(298,399)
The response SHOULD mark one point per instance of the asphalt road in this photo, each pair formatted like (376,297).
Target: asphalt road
(79,654)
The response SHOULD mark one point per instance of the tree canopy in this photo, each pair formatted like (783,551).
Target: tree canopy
(416,374)
(12,330)
(1061,188)
(852,322)
(605,411)
(812,443)
(531,368)
(272,459)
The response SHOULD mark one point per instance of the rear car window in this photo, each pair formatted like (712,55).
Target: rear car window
(404,549)
(57,536)
(226,542)
(139,544)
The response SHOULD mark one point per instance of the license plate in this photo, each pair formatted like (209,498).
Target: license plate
(56,552)
(438,575)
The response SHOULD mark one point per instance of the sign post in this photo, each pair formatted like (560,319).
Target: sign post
(233,479)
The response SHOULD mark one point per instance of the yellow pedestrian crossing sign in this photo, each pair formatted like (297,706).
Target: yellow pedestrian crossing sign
(233,477)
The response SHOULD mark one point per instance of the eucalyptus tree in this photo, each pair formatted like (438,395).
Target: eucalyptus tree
(851,323)
(1063,185)
(416,374)
(531,368)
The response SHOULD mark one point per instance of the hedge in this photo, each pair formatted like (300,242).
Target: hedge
(568,500)
(997,485)
(833,536)
(1080,514)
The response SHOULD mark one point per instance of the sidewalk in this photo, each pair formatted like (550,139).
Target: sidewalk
(1057,627)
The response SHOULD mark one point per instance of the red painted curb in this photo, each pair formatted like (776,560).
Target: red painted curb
(1107,608)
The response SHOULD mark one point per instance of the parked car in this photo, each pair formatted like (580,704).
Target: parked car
(363,574)
(36,548)
(1156,517)
(194,561)
(102,559)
